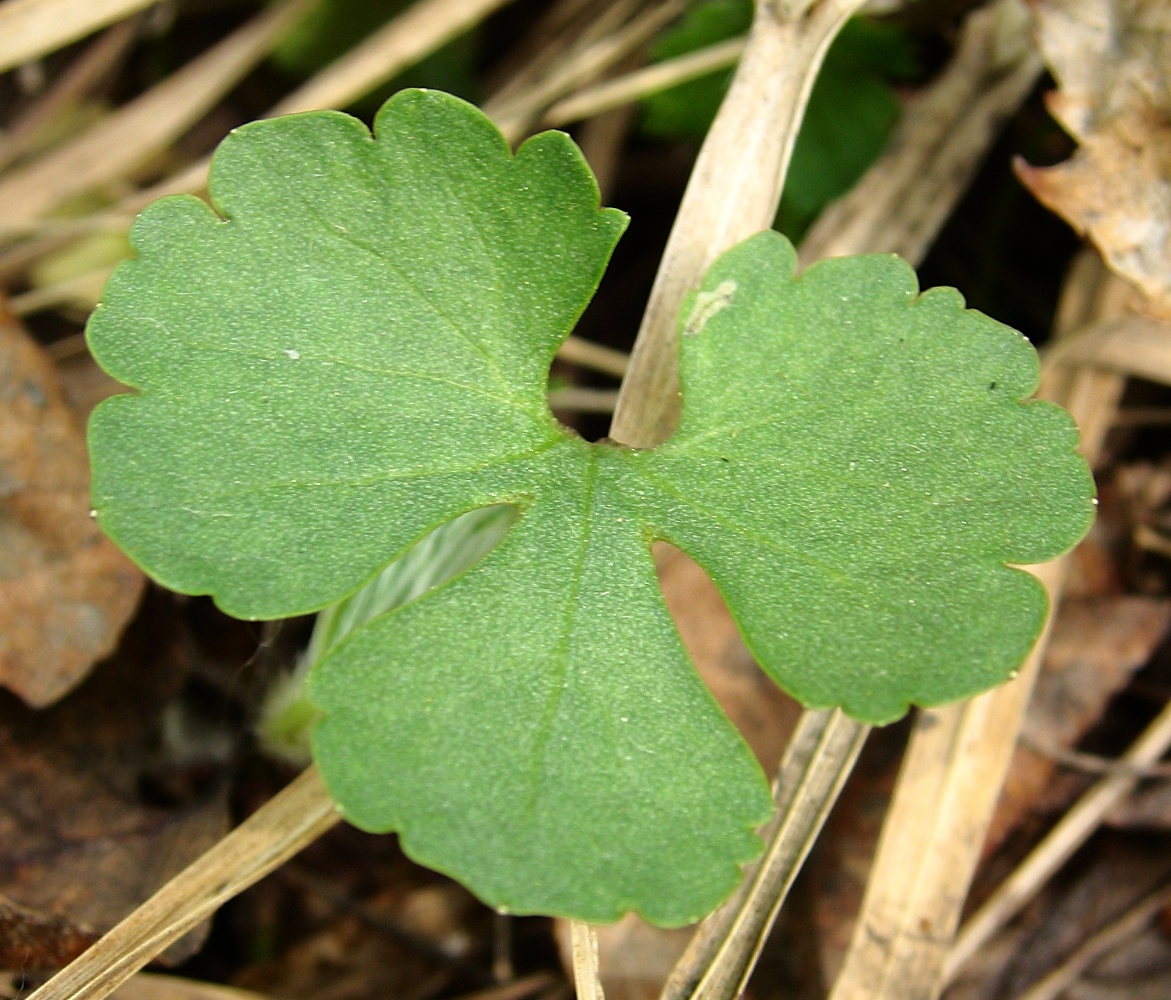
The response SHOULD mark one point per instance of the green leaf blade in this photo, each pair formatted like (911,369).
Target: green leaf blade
(855,467)
(368,331)
(509,730)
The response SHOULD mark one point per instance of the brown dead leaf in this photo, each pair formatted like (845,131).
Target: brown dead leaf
(1110,58)
(29,938)
(79,845)
(66,592)
(1096,647)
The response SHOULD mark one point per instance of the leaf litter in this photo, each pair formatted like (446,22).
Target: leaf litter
(1110,58)
(66,591)
(80,843)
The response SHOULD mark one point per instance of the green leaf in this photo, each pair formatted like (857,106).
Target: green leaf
(358,352)
(535,728)
(854,468)
(363,346)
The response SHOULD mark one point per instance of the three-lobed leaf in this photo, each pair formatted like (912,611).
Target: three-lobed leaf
(358,351)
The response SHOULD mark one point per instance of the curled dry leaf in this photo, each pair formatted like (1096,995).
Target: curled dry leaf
(66,592)
(1110,58)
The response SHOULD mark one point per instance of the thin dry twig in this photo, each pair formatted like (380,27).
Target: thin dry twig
(586,976)
(583,400)
(83,74)
(416,32)
(586,353)
(516,115)
(902,201)
(1127,345)
(153,986)
(733,192)
(410,36)
(722,954)
(63,292)
(1090,763)
(641,83)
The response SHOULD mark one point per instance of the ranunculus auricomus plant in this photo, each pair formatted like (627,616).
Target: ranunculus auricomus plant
(356,349)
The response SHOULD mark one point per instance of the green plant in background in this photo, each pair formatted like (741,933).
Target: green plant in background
(356,350)
(851,111)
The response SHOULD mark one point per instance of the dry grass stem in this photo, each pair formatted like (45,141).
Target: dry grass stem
(1063,840)
(567,26)
(1149,540)
(62,293)
(722,954)
(30,29)
(902,202)
(581,400)
(586,976)
(586,353)
(948,786)
(153,986)
(417,32)
(1129,345)
(117,144)
(515,116)
(269,837)
(1090,763)
(602,141)
(641,83)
